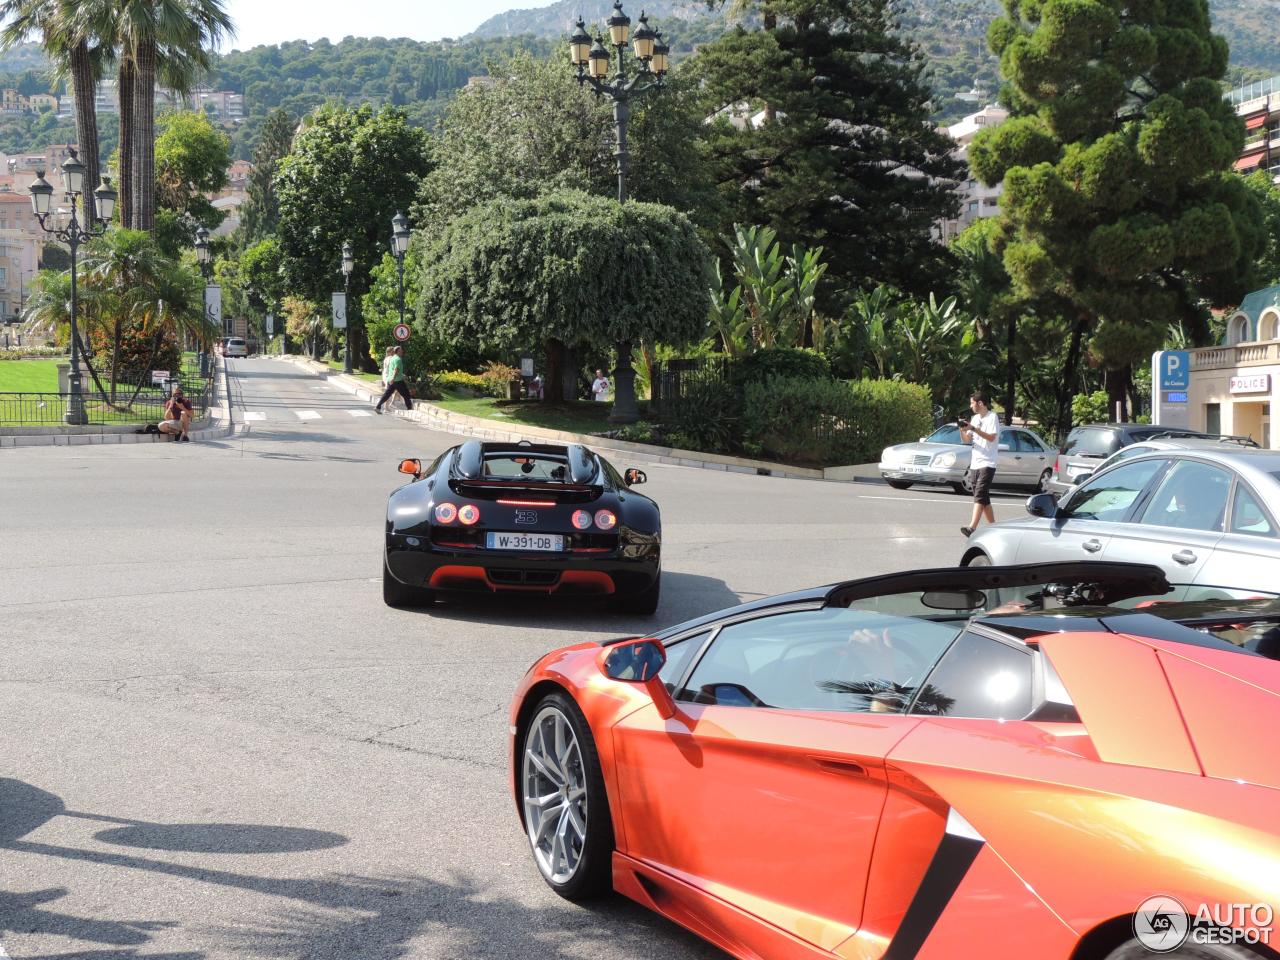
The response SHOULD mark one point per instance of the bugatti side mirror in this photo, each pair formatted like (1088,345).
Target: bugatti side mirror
(1042,505)
(638,661)
(634,476)
(413,467)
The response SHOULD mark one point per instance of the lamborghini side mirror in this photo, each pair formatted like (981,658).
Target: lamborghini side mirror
(639,661)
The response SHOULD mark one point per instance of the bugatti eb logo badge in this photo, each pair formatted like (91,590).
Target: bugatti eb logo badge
(526,516)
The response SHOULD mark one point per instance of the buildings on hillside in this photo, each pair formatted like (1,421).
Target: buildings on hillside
(976,201)
(1258,105)
(221,105)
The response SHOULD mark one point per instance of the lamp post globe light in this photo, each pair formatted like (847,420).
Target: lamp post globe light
(593,63)
(73,235)
(348,265)
(399,247)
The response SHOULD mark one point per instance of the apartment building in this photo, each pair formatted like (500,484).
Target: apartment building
(1258,105)
(223,104)
(976,200)
(21,247)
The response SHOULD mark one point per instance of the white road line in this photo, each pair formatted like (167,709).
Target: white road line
(306,415)
(251,415)
(361,413)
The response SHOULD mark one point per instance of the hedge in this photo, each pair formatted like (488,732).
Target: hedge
(833,421)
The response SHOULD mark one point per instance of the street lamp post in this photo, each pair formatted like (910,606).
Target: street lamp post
(204,257)
(73,235)
(348,264)
(593,62)
(399,247)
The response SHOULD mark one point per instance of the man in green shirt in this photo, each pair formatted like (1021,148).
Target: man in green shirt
(393,373)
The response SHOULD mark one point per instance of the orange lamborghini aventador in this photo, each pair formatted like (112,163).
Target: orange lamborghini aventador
(1068,760)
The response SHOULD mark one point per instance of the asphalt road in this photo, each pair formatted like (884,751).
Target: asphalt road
(218,742)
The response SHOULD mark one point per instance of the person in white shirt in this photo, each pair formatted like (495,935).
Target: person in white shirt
(600,387)
(983,430)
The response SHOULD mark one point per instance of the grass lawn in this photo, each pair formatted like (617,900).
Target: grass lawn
(29,376)
(576,416)
(368,377)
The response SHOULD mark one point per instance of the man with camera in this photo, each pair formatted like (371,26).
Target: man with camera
(983,431)
(177,416)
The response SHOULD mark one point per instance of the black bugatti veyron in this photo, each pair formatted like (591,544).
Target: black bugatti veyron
(522,517)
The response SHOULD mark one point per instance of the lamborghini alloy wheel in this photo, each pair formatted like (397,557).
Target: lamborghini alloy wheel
(562,794)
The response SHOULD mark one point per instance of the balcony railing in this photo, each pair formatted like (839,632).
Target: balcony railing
(1240,355)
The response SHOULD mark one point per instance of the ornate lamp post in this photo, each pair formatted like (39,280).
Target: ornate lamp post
(348,264)
(399,247)
(593,62)
(73,235)
(204,257)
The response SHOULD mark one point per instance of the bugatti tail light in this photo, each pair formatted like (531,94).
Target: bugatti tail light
(469,514)
(581,519)
(446,513)
(605,519)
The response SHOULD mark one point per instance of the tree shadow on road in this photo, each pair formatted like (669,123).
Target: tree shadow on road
(337,916)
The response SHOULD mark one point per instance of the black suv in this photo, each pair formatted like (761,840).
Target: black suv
(1088,445)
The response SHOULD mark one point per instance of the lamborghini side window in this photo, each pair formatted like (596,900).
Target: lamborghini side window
(979,678)
(836,659)
(678,655)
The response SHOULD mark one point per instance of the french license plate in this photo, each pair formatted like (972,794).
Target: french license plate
(911,469)
(547,542)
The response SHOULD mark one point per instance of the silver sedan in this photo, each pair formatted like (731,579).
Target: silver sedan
(1023,460)
(1205,516)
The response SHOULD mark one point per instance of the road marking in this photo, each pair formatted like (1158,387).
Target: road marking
(250,415)
(361,413)
(306,415)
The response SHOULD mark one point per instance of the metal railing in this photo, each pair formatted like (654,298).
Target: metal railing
(28,409)
(676,381)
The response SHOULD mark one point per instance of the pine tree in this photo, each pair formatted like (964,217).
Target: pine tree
(845,156)
(262,209)
(1116,167)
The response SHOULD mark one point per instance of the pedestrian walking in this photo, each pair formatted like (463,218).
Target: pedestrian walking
(600,387)
(393,376)
(983,430)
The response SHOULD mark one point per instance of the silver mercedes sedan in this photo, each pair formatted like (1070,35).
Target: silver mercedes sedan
(1205,516)
(1024,460)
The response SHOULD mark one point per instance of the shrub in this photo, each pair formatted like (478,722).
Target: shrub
(460,380)
(31,353)
(1090,407)
(833,421)
(496,376)
(789,362)
(136,359)
(710,418)
(640,432)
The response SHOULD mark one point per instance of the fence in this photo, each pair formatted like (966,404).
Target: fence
(679,382)
(49,409)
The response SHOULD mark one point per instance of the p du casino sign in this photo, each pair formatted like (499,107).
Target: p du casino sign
(1171,375)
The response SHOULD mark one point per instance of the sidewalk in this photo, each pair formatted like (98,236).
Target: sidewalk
(216,423)
(437,418)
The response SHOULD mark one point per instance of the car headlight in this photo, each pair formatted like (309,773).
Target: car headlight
(889,455)
(945,460)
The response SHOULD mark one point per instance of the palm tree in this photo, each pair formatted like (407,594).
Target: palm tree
(121,268)
(66,35)
(50,306)
(172,307)
(170,39)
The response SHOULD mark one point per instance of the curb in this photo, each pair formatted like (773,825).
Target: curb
(432,417)
(214,428)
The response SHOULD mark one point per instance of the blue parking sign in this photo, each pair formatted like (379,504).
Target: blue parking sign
(1175,369)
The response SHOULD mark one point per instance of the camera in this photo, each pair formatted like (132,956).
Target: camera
(961,422)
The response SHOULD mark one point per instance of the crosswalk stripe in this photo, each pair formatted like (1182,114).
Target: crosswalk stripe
(306,415)
(254,415)
(360,413)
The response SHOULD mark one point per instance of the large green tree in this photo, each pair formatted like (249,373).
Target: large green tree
(191,161)
(533,129)
(823,133)
(1118,196)
(348,174)
(568,268)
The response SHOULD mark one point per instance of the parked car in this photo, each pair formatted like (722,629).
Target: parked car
(1204,516)
(1088,445)
(1024,460)
(523,518)
(236,347)
(1162,442)
(885,767)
